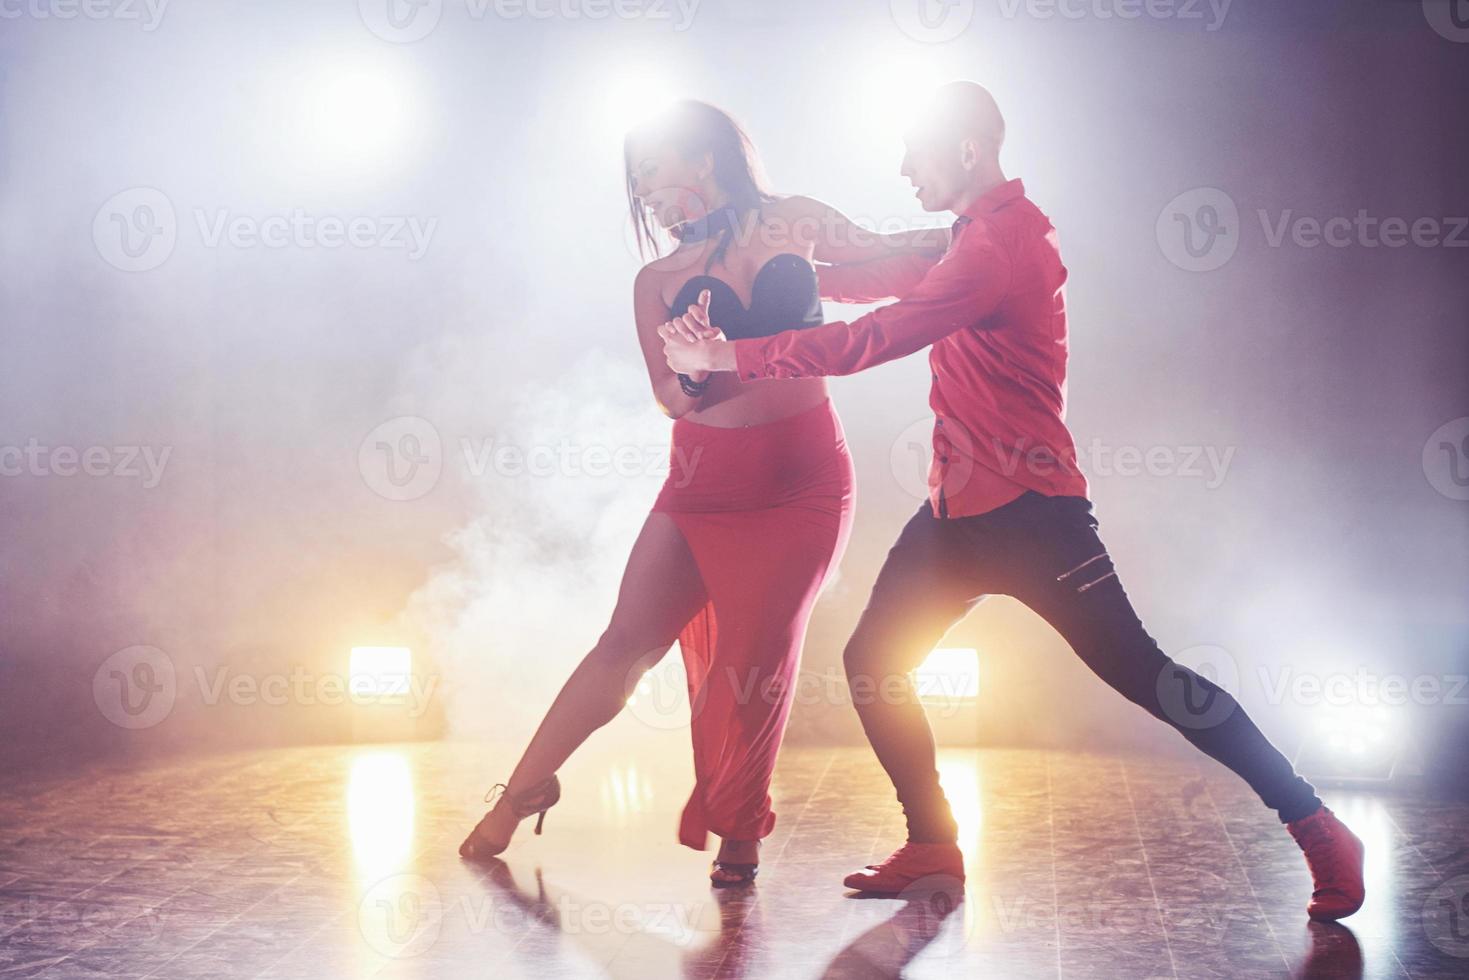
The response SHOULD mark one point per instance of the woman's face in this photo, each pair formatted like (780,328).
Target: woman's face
(672,189)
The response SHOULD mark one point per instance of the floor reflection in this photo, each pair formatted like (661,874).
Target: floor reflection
(1369,820)
(342,862)
(625,938)
(922,917)
(1332,953)
(625,792)
(380,810)
(393,914)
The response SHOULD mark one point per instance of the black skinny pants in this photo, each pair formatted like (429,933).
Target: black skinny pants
(1045,552)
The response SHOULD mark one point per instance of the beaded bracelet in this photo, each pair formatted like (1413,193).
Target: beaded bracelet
(692,388)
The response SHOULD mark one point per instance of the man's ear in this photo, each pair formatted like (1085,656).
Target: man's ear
(969,154)
(706,166)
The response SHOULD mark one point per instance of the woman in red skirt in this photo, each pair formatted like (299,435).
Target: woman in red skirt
(758,503)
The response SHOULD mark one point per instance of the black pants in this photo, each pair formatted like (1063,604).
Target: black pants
(1045,552)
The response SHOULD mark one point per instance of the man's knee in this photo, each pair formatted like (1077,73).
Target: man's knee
(878,663)
(863,653)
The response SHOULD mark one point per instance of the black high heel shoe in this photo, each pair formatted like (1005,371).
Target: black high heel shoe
(537,799)
(746,873)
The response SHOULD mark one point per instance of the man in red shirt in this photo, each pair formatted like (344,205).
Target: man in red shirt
(1008,511)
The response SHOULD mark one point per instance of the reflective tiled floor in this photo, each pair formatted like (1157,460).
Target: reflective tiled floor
(340,862)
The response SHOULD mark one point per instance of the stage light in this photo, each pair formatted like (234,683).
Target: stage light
(345,117)
(380,672)
(949,674)
(1354,730)
(628,96)
(891,89)
(1352,744)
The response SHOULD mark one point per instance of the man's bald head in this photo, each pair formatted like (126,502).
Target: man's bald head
(959,111)
(954,147)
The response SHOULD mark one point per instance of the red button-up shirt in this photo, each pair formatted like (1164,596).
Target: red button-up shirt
(994,310)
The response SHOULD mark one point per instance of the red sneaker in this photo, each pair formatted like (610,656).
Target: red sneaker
(908,864)
(1334,855)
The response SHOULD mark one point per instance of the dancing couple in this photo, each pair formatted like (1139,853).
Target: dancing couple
(1007,511)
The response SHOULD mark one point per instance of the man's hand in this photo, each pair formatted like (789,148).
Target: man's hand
(693,345)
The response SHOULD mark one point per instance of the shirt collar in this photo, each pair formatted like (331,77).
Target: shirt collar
(991,200)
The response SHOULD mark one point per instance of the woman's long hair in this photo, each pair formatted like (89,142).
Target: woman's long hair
(695,128)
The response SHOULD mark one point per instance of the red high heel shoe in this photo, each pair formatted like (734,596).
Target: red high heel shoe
(537,799)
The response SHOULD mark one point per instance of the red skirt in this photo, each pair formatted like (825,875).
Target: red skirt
(767,511)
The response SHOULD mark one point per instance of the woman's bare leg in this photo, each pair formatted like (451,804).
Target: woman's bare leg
(660,592)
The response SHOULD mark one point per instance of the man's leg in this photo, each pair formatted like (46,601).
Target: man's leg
(926,585)
(1063,572)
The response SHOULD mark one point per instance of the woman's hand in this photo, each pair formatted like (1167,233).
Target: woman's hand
(694,325)
(691,343)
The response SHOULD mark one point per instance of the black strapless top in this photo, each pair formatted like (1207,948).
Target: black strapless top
(784,296)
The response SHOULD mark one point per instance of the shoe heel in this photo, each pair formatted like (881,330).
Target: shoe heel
(540,821)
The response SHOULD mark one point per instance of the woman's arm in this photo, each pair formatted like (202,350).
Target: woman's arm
(836,239)
(650,313)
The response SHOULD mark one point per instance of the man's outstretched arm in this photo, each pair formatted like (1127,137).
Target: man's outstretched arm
(960,291)
(877,281)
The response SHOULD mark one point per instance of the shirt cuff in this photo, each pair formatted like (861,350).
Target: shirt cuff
(750,360)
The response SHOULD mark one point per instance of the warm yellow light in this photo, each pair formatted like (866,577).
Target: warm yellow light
(949,674)
(380,671)
(380,813)
(959,775)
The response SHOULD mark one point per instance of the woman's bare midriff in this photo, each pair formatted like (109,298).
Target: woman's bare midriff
(733,403)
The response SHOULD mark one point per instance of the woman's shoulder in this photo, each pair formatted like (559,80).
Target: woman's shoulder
(793,207)
(664,275)
(803,220)
(660,268)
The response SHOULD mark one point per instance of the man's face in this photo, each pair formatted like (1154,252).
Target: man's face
(934,167)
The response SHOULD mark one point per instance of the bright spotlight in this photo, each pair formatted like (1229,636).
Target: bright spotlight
(891,91)
(949,674)
(630,96)
(1352,744)
(378,672)
(344,118)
